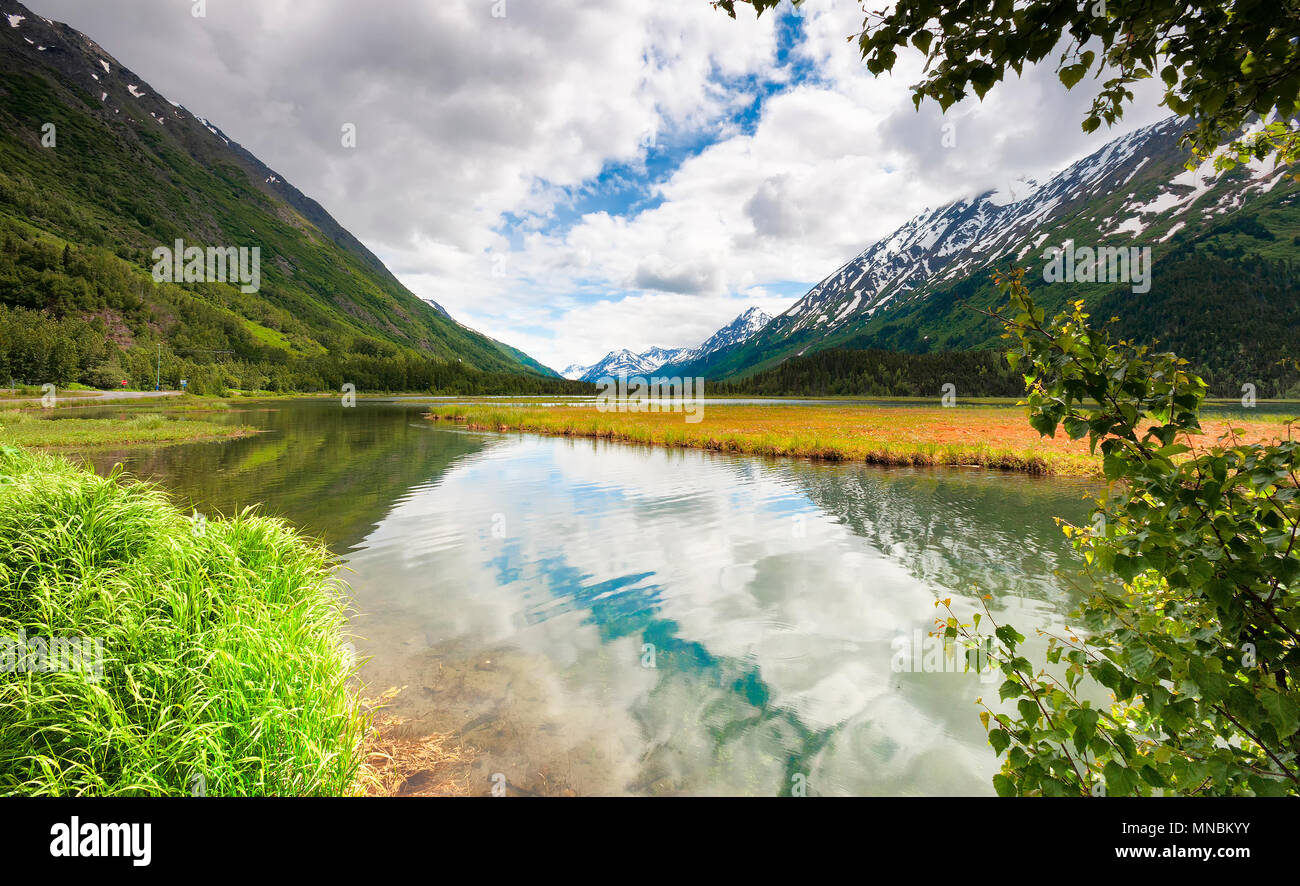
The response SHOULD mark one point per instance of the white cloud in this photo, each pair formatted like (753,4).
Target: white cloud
(466,121)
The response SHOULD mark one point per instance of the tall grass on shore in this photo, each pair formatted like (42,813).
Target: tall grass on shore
(224,664)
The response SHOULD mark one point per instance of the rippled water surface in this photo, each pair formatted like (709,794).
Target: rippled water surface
(602,618)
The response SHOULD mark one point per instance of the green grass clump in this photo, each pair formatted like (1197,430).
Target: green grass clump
(224,661)
(147,421)
(37,430)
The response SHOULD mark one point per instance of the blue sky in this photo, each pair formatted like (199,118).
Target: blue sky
(629,187)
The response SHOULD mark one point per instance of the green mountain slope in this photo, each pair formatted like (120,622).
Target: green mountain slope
(97,170)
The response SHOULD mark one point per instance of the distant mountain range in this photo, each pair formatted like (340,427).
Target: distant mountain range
(96,160)
(625,362)
(915,289)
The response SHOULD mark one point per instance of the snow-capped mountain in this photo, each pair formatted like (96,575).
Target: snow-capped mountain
(656,357)
(737,332)
(950,242)
(623,361)
(1133,191)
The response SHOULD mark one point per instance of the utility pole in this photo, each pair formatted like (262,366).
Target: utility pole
(157,379)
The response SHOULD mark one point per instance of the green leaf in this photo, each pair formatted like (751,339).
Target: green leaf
(1072,74)
(1000,740)
(1119,780)
(1208,676)
(1085,724)
(1113,466)
(1282,712)
(1009,636)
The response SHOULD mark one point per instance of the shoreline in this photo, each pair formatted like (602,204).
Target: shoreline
(402,760)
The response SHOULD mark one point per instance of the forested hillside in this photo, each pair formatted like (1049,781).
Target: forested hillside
(1234,317)
(97,171)
(877,373)
(82,314)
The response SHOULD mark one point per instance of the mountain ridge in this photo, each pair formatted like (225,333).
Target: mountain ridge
(94,158)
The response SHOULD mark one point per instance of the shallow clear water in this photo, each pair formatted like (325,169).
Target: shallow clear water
(603,618)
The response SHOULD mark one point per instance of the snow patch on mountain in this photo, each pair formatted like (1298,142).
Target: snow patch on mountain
(952,241)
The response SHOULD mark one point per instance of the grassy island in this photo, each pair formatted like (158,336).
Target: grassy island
(26,428)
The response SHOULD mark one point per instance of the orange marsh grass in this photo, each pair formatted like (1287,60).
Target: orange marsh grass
(983,436)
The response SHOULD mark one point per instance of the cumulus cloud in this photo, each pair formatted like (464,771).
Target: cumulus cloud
(478,137)
(671,277)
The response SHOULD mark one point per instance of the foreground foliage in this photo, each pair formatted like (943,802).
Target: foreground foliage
(223,667)
(1192,621)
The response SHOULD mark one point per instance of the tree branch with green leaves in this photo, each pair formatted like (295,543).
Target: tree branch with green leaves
(1191,620)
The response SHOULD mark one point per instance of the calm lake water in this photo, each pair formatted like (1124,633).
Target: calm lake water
(611,619)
